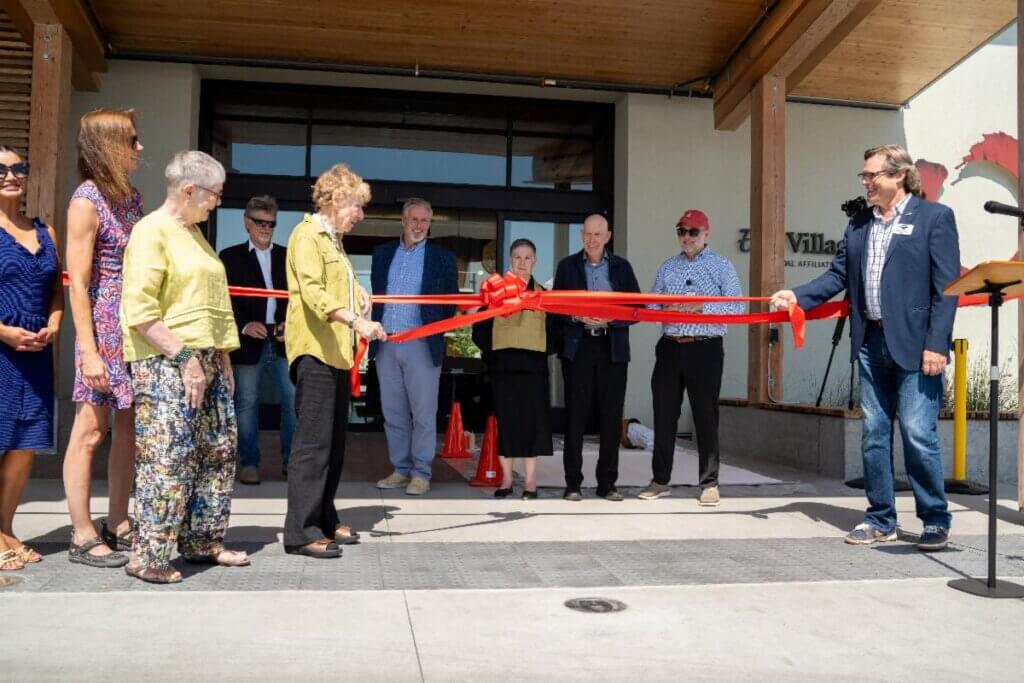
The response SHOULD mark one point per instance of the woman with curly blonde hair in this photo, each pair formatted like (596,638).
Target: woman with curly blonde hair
(326,309)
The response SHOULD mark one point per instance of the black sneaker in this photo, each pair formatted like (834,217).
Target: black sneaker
(933,538)
(573,495)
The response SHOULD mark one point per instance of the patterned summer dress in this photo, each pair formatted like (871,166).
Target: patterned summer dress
(26,377)
(114,225)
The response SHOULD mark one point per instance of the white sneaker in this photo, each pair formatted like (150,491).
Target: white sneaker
(417,487)
(393,481)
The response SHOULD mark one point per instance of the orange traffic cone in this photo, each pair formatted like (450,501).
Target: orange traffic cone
(488,472)
(454,436)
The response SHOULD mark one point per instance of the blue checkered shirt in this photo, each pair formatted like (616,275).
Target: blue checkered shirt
(404,277)
(878,244)
(709,274)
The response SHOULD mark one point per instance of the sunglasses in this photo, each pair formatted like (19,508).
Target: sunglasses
(19,170)
(260,223)
(691,232)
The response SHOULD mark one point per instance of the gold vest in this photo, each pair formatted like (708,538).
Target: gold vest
(522,330)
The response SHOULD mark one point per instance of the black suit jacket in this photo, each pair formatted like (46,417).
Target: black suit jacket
(243,270)
(570,274)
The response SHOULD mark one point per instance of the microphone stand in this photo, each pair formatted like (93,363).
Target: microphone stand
(837,334)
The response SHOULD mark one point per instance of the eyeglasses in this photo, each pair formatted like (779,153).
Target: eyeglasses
(869,177)
(18,170)
(260,223)
(691,232)
(215,194)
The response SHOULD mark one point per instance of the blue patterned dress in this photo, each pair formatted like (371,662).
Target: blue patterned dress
(26,377)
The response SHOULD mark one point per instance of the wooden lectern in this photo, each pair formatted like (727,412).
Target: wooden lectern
(996,279)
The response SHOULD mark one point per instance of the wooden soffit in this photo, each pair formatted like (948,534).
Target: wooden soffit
(897,49)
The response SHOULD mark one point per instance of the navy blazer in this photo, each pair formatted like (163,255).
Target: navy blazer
(243,270)
(570,275)
(918,266)
(439,277)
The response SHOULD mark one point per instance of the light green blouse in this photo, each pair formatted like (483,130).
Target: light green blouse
(172,274)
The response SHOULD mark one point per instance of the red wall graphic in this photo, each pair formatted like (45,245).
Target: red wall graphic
(998,149)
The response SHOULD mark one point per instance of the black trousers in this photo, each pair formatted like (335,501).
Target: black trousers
(318,451)
(593,380)
(695,368)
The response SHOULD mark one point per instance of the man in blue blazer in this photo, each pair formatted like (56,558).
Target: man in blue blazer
(409,372)
(595,357)
(894,262)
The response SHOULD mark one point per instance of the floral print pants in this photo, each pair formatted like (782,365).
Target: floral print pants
(185,464)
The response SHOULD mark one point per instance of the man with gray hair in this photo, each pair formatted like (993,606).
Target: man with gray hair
(409,373)
(260,263)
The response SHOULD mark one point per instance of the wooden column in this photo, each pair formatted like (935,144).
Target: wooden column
(1020,237)
(51,94)
(767,226)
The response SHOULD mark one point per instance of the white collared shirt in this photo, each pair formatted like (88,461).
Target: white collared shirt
(263,256)
(879,236)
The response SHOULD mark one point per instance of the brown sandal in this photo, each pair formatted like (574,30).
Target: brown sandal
(219,558)
(345,535)
(152,574)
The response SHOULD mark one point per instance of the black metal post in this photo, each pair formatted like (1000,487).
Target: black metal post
(992,588)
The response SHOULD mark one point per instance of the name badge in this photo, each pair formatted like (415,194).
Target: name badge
(903,229)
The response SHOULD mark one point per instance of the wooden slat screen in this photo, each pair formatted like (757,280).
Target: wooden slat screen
(15,86)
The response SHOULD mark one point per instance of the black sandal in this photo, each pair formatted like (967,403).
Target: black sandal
(118,541)
(530,495)
(80,554)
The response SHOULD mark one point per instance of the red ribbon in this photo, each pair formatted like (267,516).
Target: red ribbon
(504,295)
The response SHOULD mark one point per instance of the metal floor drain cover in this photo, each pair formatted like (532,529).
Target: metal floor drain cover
(595,605)
(6,581)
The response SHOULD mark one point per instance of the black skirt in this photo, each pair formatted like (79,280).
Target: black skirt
(522,406)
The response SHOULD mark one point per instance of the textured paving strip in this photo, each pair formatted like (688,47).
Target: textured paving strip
(379,565)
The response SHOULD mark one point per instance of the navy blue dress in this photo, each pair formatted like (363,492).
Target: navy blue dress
(26,377)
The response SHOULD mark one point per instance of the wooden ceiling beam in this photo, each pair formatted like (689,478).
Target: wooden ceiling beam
(791,41)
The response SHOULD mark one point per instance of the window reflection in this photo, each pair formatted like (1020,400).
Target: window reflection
(260,147)
(562,164)
(411,155)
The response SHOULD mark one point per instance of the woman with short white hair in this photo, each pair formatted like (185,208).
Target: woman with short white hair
(178,330)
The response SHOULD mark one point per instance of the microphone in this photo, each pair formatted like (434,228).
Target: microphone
(1004,209)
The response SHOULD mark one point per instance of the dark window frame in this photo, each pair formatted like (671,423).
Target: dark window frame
(293,191)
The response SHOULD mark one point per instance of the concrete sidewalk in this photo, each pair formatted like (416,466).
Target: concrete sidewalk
(460,586)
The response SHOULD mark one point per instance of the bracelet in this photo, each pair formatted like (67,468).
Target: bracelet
(352,323)
(181,357)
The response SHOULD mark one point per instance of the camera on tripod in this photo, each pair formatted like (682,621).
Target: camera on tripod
(854,206)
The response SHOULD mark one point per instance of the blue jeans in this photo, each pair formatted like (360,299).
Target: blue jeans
(408,398)
(247,405)
(888,391)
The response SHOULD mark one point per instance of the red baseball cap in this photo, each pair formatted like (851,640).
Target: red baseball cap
(693,218)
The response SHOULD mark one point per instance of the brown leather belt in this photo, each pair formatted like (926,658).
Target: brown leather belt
(686,340)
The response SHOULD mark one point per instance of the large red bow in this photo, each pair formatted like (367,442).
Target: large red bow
(498,290)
